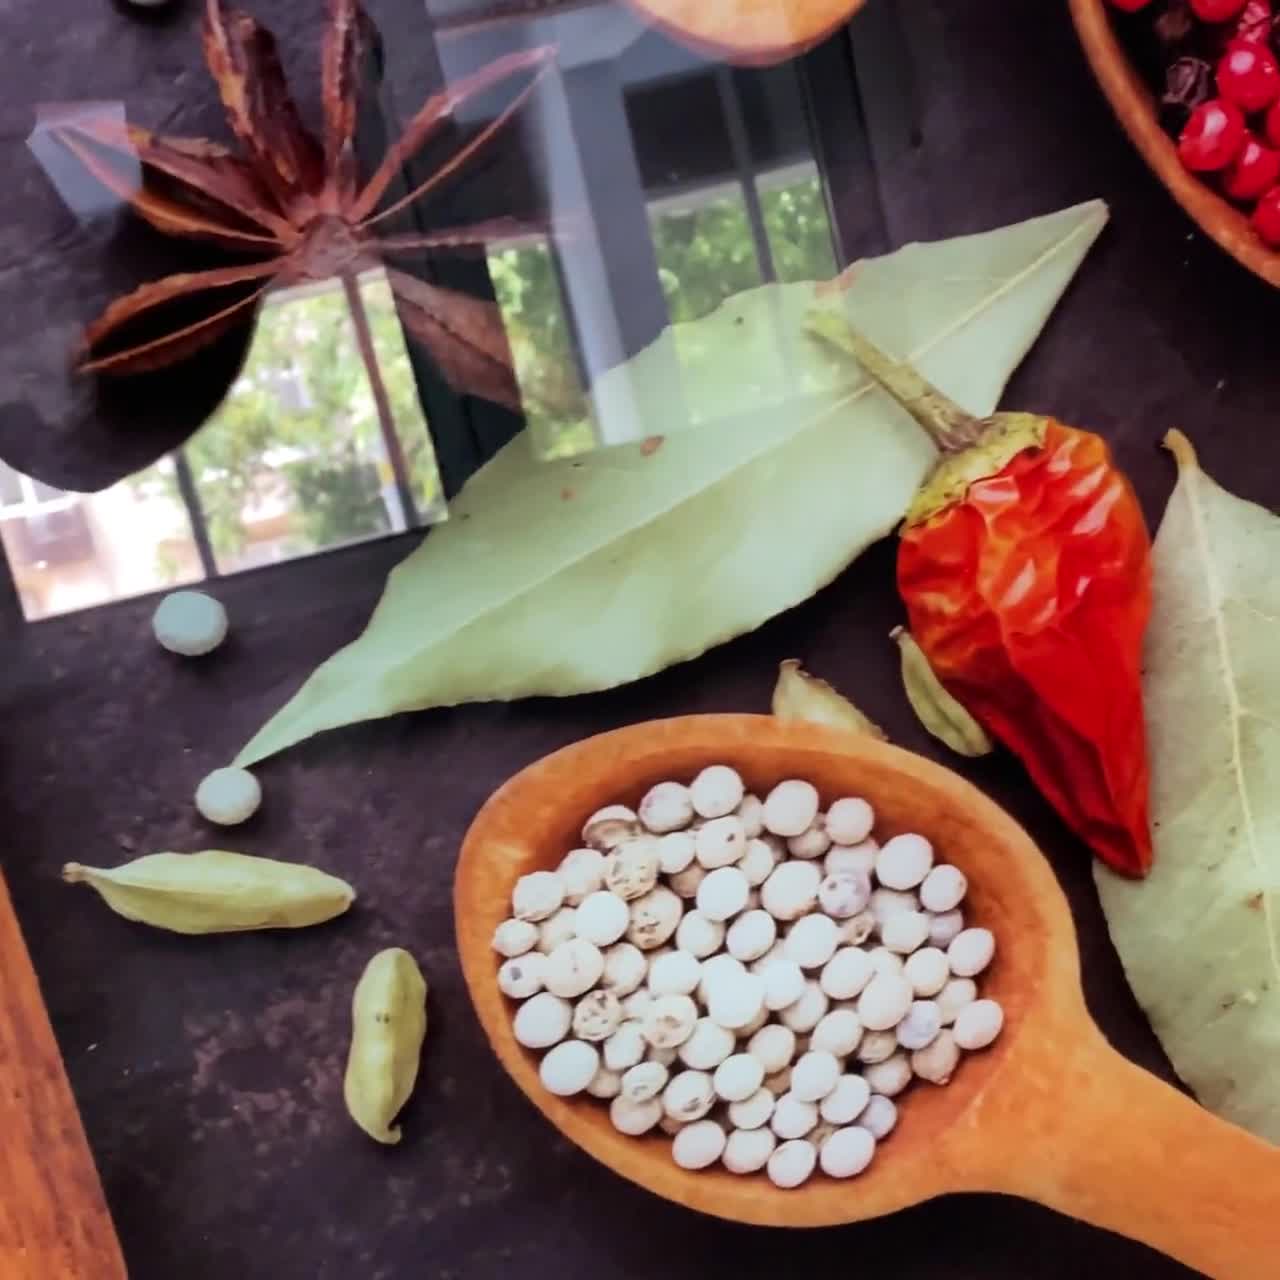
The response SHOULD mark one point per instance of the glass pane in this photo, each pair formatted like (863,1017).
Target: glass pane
(799,229)
(79,550)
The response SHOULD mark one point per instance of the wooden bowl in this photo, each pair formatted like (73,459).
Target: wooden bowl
(1134,105)
(1049,1112)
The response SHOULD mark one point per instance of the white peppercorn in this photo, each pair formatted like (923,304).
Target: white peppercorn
(970,952)
(954,996)
(921,1025)
(597,1016)
(838,1033)
(625,1047)
(751,935)
(857,859)
(945,928)
(665,1056)
(927,970)
(675,974)
(846,974)
(757,862)
(752,1112)
(736,1003)
(738,1077)
(521,976)
(689,1096)
(228,796)
(716,791)
(876,1046)
(844,894)
(699,935)
(189,623)
(601,918)
(792,1163)
(633,868)
(884,1001)
(847,1152)
(670,1021)
(793,1117)
(849,820)
(720,842)
(556,929)
(808,1011)
(634,1118)
(846,1101)
(751,814)
(675,851)
(624,969)
(569,1068)
(537,895)
(978,1024)
(791,890)
(904,861)
(581,871)
(885,961)
(699,1145)
(723,893)
(905,932)
(812,843)
(666,807)
(937,1061)
(748,1149)
(746,1031)
(654,918)
(811,941)
(687,882)
(814,1075)
(644,1081)
(572,968)
(515,937)
(718,970)
(857,929)
(542,1020)
(889,1077)
(771,957)
(605,1084)
(890,902)
(609,827)
(708,1046)
(943,889)
(880,1117)
(773,1046)
(790,808)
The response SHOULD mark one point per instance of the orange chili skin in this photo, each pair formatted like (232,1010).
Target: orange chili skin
(1030,596)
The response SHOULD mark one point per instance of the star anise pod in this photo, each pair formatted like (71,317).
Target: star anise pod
(293,203)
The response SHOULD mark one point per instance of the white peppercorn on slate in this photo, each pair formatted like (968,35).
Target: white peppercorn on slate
(757,979)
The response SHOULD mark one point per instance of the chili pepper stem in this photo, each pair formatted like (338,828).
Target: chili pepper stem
(949,426)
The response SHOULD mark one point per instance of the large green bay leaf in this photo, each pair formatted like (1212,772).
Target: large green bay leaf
(1200,936)
(779,464)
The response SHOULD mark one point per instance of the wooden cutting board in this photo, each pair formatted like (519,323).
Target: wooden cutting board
(54,1223)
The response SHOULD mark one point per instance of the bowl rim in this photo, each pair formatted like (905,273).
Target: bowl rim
(1047,1008)
(1131,101)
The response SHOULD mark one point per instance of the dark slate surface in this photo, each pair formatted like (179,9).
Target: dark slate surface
(208,1071)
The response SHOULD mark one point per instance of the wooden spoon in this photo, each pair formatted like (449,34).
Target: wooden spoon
(1050,1112)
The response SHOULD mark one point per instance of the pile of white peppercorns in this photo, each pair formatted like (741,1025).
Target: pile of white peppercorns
(771,1024)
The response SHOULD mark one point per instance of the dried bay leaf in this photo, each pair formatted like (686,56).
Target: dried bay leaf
(801,696)
(570,576)
(1200,936)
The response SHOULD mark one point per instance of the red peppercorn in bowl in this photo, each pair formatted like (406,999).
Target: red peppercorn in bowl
(1223,164)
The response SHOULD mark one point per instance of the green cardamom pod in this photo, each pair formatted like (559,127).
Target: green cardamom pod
(937,710)
(216,891)
(801,696)
(389,1024)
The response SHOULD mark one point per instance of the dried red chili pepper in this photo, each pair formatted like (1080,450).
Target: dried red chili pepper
(1025,567)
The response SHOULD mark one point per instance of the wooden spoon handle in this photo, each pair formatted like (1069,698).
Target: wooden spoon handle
(1125,1151)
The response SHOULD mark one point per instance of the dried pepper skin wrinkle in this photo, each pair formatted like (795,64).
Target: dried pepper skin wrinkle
(1030,594)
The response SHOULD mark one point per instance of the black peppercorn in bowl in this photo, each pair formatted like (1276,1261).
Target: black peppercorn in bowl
(1145,117)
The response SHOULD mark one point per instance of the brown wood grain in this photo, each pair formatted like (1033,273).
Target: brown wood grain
(54,1223)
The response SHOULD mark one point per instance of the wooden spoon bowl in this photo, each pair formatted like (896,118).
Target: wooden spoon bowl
(1049,1112)
(1132,101)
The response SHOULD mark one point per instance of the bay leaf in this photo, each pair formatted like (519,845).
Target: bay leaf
(780,462)
(1200,936)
